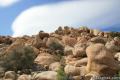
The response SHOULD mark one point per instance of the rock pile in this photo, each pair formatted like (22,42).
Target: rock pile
(66,54)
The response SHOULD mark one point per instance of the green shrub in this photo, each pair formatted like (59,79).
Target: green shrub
(61,74)
(19,59)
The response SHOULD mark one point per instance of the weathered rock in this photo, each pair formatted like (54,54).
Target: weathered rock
(70,59)
(72,70)
(24,77)
(98,40)
(79,50)
(54,44)
(42,35)
(69,41)
(76,78)
(46,75)
(38,42)
(81,62)
(101,34)
(56,36)
(55,66)
(68,50)
(100,60)
(117,56)
(45,59)
(18,44)
(81,40)
(112,46)
(10,75)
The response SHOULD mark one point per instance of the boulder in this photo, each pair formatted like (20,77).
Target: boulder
(70,59)
(10,75)
(112,46)
(18,44)
(24,77)
(117,56)
(38,42)
(68,50)
(101,60)
(55,66)
(98,40)
(42,35)
(54,44)
(45,59)
(72,70)
(69,41)
(81,62)
(81,40)
(46,75)
(79,50)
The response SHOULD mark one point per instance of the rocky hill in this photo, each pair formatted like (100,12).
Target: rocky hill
(66,54)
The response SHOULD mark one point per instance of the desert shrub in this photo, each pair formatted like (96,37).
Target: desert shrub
(115,34)
(61,74)
(117,76)
(19,59)
(54,44)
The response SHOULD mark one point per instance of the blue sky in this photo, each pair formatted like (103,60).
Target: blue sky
(27,17)
(9,13)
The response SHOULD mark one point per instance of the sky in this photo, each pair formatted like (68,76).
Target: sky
(28,17)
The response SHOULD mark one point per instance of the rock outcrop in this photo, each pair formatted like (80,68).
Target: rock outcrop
(66,54)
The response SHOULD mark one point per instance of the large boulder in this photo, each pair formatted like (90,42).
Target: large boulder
(101,60)
(42,35)
(11,75)
(55,66)
(79,50)
(81,62)
(69,41)
(45,59)
(46,75)
(68,50)
(72,70)
(70,59)
(24,77)
(113,46)
(18,44)
(98,40)
(38,42)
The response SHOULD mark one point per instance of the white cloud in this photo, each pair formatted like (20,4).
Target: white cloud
(92,13)
(5,3)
